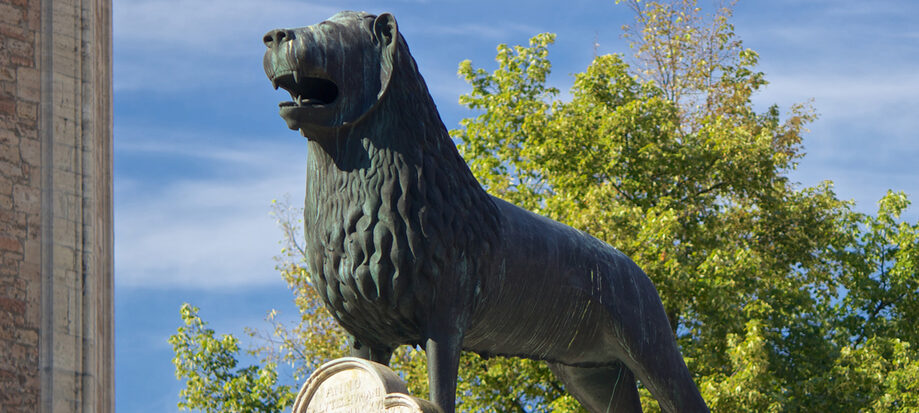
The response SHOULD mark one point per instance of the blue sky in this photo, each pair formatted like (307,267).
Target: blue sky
(200,151)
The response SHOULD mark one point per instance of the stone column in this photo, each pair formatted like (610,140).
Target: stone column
(56,206)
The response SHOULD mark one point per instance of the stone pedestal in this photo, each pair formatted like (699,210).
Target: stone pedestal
(353,385)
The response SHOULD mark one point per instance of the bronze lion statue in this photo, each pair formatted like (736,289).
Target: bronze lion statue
(405,246)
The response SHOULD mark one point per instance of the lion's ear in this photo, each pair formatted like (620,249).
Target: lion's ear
(386,32)
(385,29)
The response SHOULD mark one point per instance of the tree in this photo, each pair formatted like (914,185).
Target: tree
(781,297)
(213,381)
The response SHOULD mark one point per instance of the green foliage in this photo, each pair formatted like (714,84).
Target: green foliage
(213,382)
(512,101)
(882,375)
(749,387)
(881,280)
(781,297)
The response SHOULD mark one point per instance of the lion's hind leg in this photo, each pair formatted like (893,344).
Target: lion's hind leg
(600,389)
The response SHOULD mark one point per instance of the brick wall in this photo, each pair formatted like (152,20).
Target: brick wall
(20,206)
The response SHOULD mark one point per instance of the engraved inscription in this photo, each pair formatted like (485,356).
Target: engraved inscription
(349,391)
(353,385)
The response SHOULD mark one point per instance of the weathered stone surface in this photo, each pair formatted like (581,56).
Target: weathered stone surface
(19,346)
(55,206)
(353,385)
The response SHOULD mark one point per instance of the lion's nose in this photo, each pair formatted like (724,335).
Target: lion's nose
(275,37)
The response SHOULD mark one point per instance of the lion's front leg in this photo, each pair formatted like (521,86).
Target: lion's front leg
(443,351)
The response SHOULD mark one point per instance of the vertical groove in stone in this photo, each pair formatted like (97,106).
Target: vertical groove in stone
(86,372)
(86,144)
(79,331)
(46,130)
(103,141)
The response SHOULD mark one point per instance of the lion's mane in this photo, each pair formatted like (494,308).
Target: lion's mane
(392,211)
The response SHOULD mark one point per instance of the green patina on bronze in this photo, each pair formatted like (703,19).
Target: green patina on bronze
(405,246)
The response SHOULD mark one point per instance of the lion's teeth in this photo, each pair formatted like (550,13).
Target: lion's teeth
(296,77)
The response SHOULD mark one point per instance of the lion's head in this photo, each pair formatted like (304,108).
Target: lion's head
(336,71)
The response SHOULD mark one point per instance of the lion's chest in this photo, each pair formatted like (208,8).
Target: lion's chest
(380,233)
(361,293)
(363,268)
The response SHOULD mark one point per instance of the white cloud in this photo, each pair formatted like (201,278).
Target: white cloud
(207,27)
(176,45)
(205,233)
(857,62)
(843,95)
(861,9)
(865,138)
(481,30)
(240,151)
(173,45)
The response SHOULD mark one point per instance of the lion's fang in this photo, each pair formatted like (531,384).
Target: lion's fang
(296,77)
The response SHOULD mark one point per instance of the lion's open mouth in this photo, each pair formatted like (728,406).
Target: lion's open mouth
(306,90)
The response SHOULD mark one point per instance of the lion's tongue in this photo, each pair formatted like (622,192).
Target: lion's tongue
(300,101)
(308,101)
